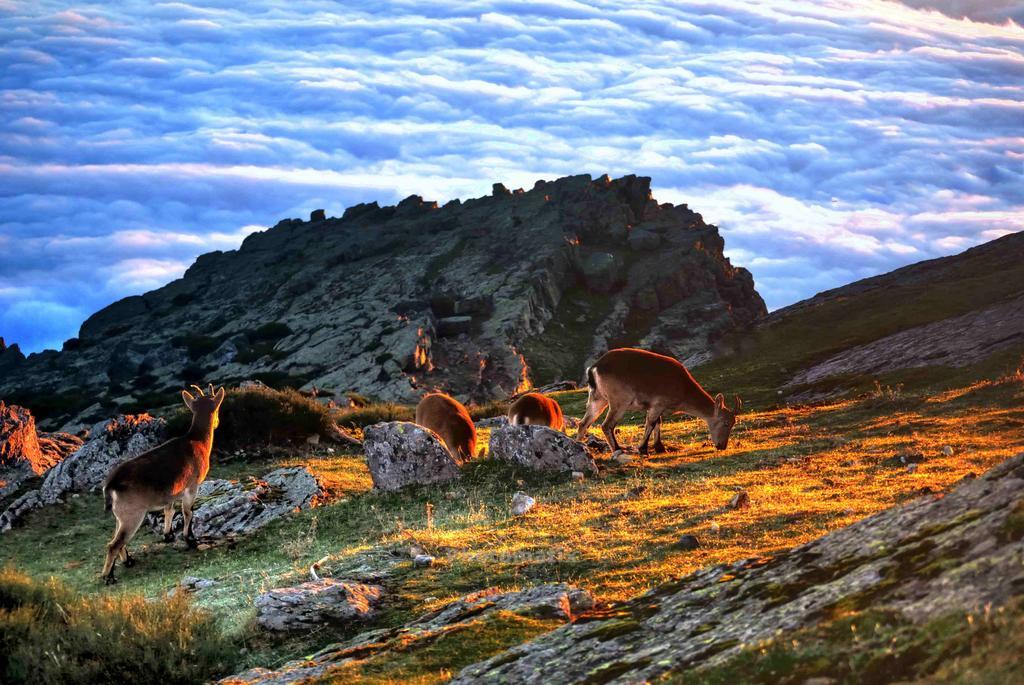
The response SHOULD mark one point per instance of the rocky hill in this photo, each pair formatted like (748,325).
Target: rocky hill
(478,297)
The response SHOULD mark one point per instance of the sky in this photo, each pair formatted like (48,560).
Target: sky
(829,140)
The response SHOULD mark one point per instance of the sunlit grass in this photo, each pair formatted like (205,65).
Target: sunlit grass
(807,470)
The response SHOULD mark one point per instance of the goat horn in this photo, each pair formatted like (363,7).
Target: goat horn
(198,390)
(211,390)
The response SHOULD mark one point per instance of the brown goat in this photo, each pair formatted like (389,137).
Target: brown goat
(449,419)
(157,478)
(535,409)
(628,378)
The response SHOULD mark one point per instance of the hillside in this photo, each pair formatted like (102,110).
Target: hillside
(478,297)
(902,595)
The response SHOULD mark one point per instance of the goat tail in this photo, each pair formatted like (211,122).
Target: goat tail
(591,379)
(108,499)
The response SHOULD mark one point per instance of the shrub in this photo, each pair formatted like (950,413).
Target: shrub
(488,409)
(197,345)
(260,416)
(376,413)
(48,634)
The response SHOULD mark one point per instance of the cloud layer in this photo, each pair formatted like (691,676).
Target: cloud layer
(829,139)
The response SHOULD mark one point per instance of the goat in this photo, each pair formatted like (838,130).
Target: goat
(449,419)
(629,378)
(536,409)
(158,477)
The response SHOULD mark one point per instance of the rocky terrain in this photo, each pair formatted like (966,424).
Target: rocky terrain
(478,297)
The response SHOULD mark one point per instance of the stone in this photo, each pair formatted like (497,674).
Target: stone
(522,503)
(225,510)
(952,554)
(423,561)
(540,448)
(642,240)
(622,458)
(400,453)
(318,215)
(577,476)
(19,444)
(552,601)
(316,603)
(192,584)
(948,450)
(602,272)
(688,542)
(741,500)
(454,325)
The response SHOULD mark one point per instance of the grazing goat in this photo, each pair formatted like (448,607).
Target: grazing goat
(535,409)
(157,478)
(628,378)
(449,419)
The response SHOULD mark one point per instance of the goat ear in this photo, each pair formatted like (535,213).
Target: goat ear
(720,401)
(738,407)
(188,398)
(219,395)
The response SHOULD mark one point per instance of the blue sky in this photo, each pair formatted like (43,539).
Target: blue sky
(830,140)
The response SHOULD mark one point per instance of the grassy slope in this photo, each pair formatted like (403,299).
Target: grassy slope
(808,470)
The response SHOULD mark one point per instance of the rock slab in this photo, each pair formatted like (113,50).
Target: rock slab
(556,600)
(315,603)
(400,453)
(226,510)
(541,449)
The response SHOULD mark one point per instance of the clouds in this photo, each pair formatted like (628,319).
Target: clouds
(829,140)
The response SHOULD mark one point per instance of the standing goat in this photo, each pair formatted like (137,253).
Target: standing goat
(449,419)
(156,479)
(629,378)
(535,409)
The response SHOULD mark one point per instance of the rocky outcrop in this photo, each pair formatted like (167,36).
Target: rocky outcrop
(109,443)
(391,301)
(541,449)
(557,601)
(400,453)
(318,602)
(19,444)
(938,554)
(956,341)
(225,510)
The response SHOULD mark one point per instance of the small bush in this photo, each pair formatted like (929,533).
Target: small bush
(197,345)
(261,416)
(48,634)
(376,413)
(270,331)
(488,409)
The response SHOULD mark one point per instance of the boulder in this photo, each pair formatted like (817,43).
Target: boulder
(522,503)
(541,449)
(225,510)
(19,444)
(315,603)
(454,325)
(400,453)
(317,215)
(602,272)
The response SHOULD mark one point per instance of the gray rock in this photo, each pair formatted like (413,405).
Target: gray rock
(314,603)
(926,559)
(400,453)
(540,448)
(642,240)
(522,503)
(602,272)
(556,600)
(454,325)
(688,542)
(225,510)
(423,561)
(109,443)
(491,422)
